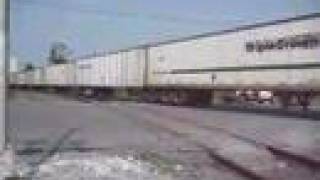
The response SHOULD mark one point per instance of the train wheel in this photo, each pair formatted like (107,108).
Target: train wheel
(88,92)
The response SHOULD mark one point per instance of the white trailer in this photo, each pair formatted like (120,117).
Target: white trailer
(38,77)
(121,70)
(281,56)
(59,75)
(264,55)
(21,78)
(29,77)
(278,58)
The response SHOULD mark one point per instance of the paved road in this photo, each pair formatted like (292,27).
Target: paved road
(174,133)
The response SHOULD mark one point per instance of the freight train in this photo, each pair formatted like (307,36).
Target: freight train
(276,61)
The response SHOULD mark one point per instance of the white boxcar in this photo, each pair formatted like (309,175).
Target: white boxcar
(276,54)
(60,74)
(120,69)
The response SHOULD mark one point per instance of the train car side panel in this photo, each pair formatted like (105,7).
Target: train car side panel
(232,57)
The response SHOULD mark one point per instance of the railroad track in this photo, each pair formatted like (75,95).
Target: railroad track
(292,165)
(273,111)
(287,159)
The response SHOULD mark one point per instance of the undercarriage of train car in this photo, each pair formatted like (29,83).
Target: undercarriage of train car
(284,99)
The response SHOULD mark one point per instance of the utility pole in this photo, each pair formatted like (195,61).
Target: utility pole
(4,5)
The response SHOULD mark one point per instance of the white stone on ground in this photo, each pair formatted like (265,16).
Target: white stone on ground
(6,165)
(74,166)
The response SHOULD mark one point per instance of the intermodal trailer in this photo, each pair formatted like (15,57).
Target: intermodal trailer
(280,56)
(273,59)
(59,75)
(118,71)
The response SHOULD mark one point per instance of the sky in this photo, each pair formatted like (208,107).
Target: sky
(87,26)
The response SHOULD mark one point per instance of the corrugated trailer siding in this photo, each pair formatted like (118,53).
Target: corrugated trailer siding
(83,73)
(101,73)
(121,69)
(96,74)
(38,76)
(293,77)
(29,77)
(26,76)
(119,73)
(21,78)
(133,68)
(93,71)
(60,74)
(50,75)
(107,81)
(125,69)
(13,78)
(70,74)
(112,70)
(282,78)
(229,50)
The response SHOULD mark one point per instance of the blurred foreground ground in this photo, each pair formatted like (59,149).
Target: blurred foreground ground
(60,137)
